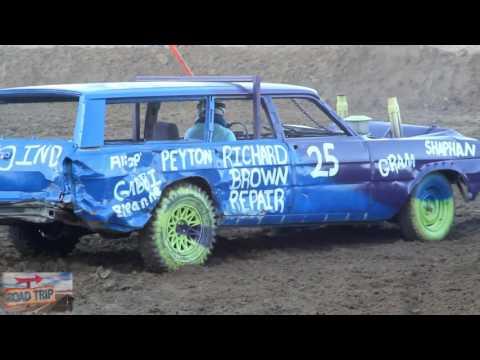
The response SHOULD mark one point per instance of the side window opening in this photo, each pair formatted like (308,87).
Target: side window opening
(239,117)
(302,118)
(38,119)
(184,120)
(160,120)
(173,120)
(118,122)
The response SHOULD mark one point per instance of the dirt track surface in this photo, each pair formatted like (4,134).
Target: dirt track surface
(336,270)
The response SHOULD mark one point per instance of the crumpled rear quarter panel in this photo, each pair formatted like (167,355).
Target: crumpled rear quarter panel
(32,170)
(117,188)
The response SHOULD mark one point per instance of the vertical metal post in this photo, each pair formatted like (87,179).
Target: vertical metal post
(395,117)
(342,106)
(257,106)
(136,122)
(209,118)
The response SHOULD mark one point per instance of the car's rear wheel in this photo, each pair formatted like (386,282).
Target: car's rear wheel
(31,239)
(181,231)
(430,212)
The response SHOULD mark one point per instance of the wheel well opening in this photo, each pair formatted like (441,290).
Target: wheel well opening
(451,176)
(455,178)
(197,181)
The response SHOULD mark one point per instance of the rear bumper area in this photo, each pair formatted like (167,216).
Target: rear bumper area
(34,212)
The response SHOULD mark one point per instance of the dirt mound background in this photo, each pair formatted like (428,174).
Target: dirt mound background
(347,270)
(423,77)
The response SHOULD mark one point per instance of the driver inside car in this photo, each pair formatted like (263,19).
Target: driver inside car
(221,132)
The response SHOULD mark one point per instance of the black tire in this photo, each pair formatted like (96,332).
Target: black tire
(181,231)
(430,212)
(31,240)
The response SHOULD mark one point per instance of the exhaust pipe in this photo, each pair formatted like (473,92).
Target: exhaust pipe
(395,117)
(342,106)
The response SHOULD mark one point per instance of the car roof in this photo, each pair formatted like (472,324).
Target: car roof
(153,88)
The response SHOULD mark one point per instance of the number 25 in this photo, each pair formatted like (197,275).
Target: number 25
(318,172)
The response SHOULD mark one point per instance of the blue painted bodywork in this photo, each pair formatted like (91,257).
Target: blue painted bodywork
(114,187)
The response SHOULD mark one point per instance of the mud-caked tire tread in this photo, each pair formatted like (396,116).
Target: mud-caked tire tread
(152,257)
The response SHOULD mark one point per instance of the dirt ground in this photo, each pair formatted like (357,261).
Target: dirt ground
(334,270)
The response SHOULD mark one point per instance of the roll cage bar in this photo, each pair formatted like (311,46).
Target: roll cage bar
(255,80)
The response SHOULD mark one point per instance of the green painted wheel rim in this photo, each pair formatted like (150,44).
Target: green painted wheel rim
(184,228)
(434,213)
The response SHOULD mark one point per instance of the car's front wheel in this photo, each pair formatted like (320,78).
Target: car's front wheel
(430,212)
(181,231)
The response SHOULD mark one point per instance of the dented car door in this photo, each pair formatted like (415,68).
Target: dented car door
(331,167)
(256,181)
(332,179)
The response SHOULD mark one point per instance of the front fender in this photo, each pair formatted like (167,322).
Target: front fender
(448,167)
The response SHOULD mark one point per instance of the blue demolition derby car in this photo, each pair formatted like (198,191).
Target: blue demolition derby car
(207,152)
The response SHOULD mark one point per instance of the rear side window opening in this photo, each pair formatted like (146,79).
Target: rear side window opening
(150,120)
(38,118)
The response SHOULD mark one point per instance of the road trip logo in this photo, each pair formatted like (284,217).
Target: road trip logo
(35,293)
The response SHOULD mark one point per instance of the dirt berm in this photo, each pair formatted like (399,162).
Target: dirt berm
(340,270)
(423,77)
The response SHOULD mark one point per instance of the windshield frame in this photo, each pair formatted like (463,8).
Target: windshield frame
(322,105)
